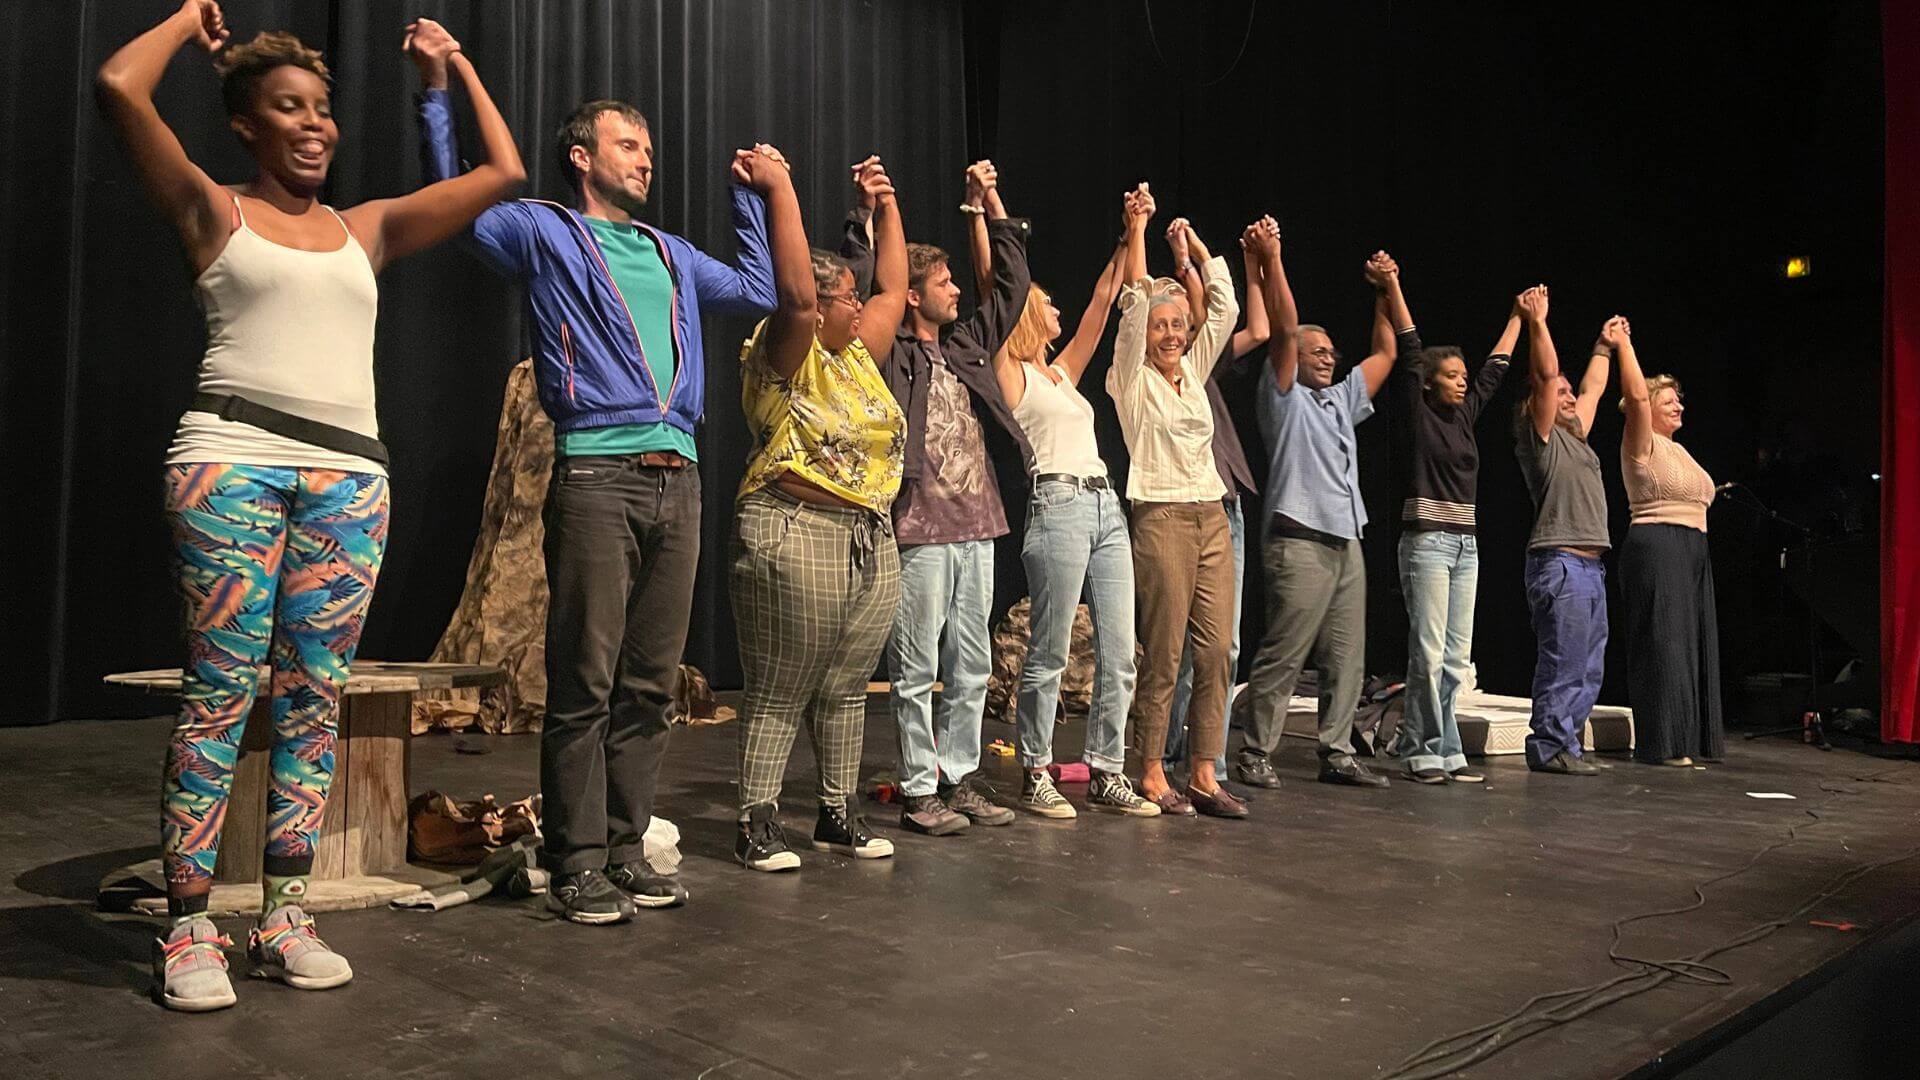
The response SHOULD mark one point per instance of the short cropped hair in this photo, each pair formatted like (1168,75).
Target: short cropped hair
(582,128)
(242,67)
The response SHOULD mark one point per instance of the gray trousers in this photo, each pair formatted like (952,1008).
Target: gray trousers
(1316,613)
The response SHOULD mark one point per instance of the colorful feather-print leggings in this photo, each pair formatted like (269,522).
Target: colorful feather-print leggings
(276,565)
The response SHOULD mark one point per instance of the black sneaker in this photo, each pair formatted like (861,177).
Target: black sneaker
(966,799)
(646,888)
(1111,792)
(848,834)
(1566,765)
(588,898)
(762,843)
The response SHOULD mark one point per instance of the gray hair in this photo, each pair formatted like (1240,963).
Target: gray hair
(827,268)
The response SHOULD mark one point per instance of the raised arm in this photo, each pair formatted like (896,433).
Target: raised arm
(1078,352)
(888,304)
(401,226)
(197,207)
(981,203)
(1593,383)
(856,240)
(1638,440)
(796,312)
(1210,334)
(1283,317)
(1487,381)
(1130,340)
(1543,363)
(1390,320)
(1256,333)
(999,305)
(1186,272)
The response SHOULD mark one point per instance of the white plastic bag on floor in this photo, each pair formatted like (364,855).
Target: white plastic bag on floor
(661,846)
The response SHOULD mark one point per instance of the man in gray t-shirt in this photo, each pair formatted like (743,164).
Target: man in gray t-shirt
(1566,581)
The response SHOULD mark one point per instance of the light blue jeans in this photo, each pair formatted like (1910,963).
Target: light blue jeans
(941,631)
(1077,546)
(1439,572)
(1183,686)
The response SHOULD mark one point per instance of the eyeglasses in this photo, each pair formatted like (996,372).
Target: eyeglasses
(1323,353)
(852,300)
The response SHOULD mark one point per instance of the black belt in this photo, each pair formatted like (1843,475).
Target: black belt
(313,432)
(1282,526)
(1091,483)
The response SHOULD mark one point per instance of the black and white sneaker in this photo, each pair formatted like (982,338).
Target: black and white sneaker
(848,834)
(588,898)
(1038,795)
(1111,792)
(646,888)
(762,843)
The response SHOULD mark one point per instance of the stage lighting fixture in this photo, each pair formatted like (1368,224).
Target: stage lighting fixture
(1798,266)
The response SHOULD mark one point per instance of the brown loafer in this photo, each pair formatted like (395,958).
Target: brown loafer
(1174,803)
(1220,804)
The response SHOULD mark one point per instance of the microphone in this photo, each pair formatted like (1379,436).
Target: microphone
(1728,486)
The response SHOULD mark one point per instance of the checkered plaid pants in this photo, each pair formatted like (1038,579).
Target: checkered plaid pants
(814,590)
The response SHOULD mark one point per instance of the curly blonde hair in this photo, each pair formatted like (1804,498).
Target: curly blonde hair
(241,67)
(1655,384)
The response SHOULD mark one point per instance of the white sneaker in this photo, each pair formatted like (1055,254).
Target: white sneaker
(190,967)
(285,947)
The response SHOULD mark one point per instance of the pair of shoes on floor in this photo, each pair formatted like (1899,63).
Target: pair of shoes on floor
(190,963)
(605,897)
(1566,764)
(762,843)
(953,810)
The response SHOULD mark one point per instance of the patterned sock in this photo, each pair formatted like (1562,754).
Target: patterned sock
(282,892)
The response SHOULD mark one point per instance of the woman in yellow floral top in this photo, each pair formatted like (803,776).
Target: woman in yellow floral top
(815,575)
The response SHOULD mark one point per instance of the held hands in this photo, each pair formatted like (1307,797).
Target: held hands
(431,47)
(763,169)
(1532,304)
(1138,208)
(1381,271)
(1262,238)
(1617,332)
(209,25)
(982,178)
(1177,231)
(875,186)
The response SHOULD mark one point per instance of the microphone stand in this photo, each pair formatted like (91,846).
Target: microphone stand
(1812,726)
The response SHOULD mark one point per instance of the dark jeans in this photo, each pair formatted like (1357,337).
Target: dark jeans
(623,541)
(1567,594)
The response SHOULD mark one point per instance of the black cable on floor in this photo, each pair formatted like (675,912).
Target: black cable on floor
(1451,1053)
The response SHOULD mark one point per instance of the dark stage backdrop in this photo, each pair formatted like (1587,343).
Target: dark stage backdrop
(102,337)
(1654,160)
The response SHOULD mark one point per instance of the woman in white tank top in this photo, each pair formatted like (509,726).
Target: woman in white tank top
(280,518)
(1076,544)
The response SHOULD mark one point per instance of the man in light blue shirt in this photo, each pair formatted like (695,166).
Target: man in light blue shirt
(1316,576)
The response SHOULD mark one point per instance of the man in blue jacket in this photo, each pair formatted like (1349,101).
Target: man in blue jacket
(614,306)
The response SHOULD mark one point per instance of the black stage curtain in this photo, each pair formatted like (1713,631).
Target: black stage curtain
(101,337)
(1649,159)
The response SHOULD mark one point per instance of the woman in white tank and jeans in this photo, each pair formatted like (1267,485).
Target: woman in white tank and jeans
(1076,545)
(276,483)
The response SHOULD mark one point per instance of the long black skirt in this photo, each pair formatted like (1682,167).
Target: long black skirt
(1673,643)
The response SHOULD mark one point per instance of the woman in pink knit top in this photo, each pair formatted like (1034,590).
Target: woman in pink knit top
(1673,640)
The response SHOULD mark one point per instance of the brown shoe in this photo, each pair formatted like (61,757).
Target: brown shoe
(1174,803)
(1219,804)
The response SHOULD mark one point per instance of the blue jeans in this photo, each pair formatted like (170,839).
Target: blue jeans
(940,630)
(1183,686)
(1567,594)
(1077,546)
(1439,573)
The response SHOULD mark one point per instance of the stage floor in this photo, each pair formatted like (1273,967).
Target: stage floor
(1331,935)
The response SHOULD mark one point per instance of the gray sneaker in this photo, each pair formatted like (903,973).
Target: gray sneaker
(927,814)
(190,968)
(1038,794)
(966,799)
(1112,793)
(285,947)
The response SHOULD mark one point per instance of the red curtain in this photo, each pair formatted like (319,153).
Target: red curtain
(1900,401)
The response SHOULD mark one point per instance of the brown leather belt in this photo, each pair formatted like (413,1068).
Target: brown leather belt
(663,459)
